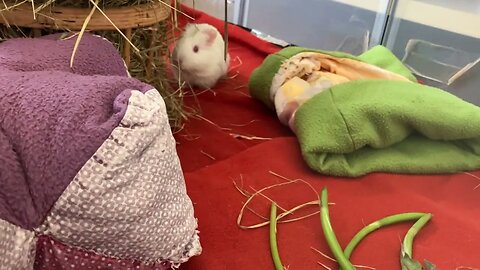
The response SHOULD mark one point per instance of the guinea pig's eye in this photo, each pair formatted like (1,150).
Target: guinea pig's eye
(195,49)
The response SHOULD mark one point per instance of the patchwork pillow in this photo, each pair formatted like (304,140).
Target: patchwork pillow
(95,55)
(88,166)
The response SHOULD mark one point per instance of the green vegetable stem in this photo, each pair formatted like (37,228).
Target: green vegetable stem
(412,232)
(377,225)
(273,238)
(332,241)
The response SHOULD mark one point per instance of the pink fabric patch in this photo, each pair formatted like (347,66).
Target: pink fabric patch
(53,255)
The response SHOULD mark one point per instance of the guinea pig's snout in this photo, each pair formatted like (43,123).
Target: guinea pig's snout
(179,61)
(185,66)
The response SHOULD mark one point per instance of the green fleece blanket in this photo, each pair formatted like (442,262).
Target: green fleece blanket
(377,125)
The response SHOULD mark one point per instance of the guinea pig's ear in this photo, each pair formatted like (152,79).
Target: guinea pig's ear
(211,35)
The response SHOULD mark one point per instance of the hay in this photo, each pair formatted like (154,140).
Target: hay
(333,260)
(208,155)
(286,212)
(148,65)
(250,138)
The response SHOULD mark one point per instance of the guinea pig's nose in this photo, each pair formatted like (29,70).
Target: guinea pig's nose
(179,61)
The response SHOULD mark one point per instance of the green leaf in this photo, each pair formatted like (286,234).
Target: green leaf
(429,265)
(409,263)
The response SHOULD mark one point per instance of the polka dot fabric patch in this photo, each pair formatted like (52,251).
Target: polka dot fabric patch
(129,200)
(17,247)
(52,255)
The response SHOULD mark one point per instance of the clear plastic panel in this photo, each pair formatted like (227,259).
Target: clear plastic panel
(345,25)
(439,63)
(216,8)
(439,40)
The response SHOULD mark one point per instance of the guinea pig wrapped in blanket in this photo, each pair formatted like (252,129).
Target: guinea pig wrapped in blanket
(89,172)
(198,58)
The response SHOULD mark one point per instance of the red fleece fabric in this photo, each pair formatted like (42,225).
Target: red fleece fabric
(212,159)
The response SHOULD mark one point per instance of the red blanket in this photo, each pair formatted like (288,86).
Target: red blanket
(212,158)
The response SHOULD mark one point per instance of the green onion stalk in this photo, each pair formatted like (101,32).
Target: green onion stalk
(332,241)
(343,256)
(412,232)
(273,238)
(377,225)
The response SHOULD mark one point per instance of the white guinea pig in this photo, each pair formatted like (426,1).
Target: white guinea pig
(198,56)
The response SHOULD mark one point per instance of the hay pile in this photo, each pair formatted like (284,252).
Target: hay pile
(139,68)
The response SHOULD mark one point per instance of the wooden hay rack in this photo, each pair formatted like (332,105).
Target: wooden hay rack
(124,18)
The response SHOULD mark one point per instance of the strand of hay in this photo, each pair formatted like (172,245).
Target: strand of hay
(250,138)
(474,176)
(212,123)
(324,266)
(148,64)
(333,260)
(286,212)
(244,125)
(80,35)
(208,155)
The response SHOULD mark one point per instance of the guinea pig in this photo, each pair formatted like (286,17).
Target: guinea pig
(198,56)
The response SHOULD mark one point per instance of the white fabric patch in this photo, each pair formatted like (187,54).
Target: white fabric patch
(17,247)
(129,200)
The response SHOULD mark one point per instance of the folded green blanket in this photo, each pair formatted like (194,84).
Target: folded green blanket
(376,125)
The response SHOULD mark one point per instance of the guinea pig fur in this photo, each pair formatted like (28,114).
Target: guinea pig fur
(198,56)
